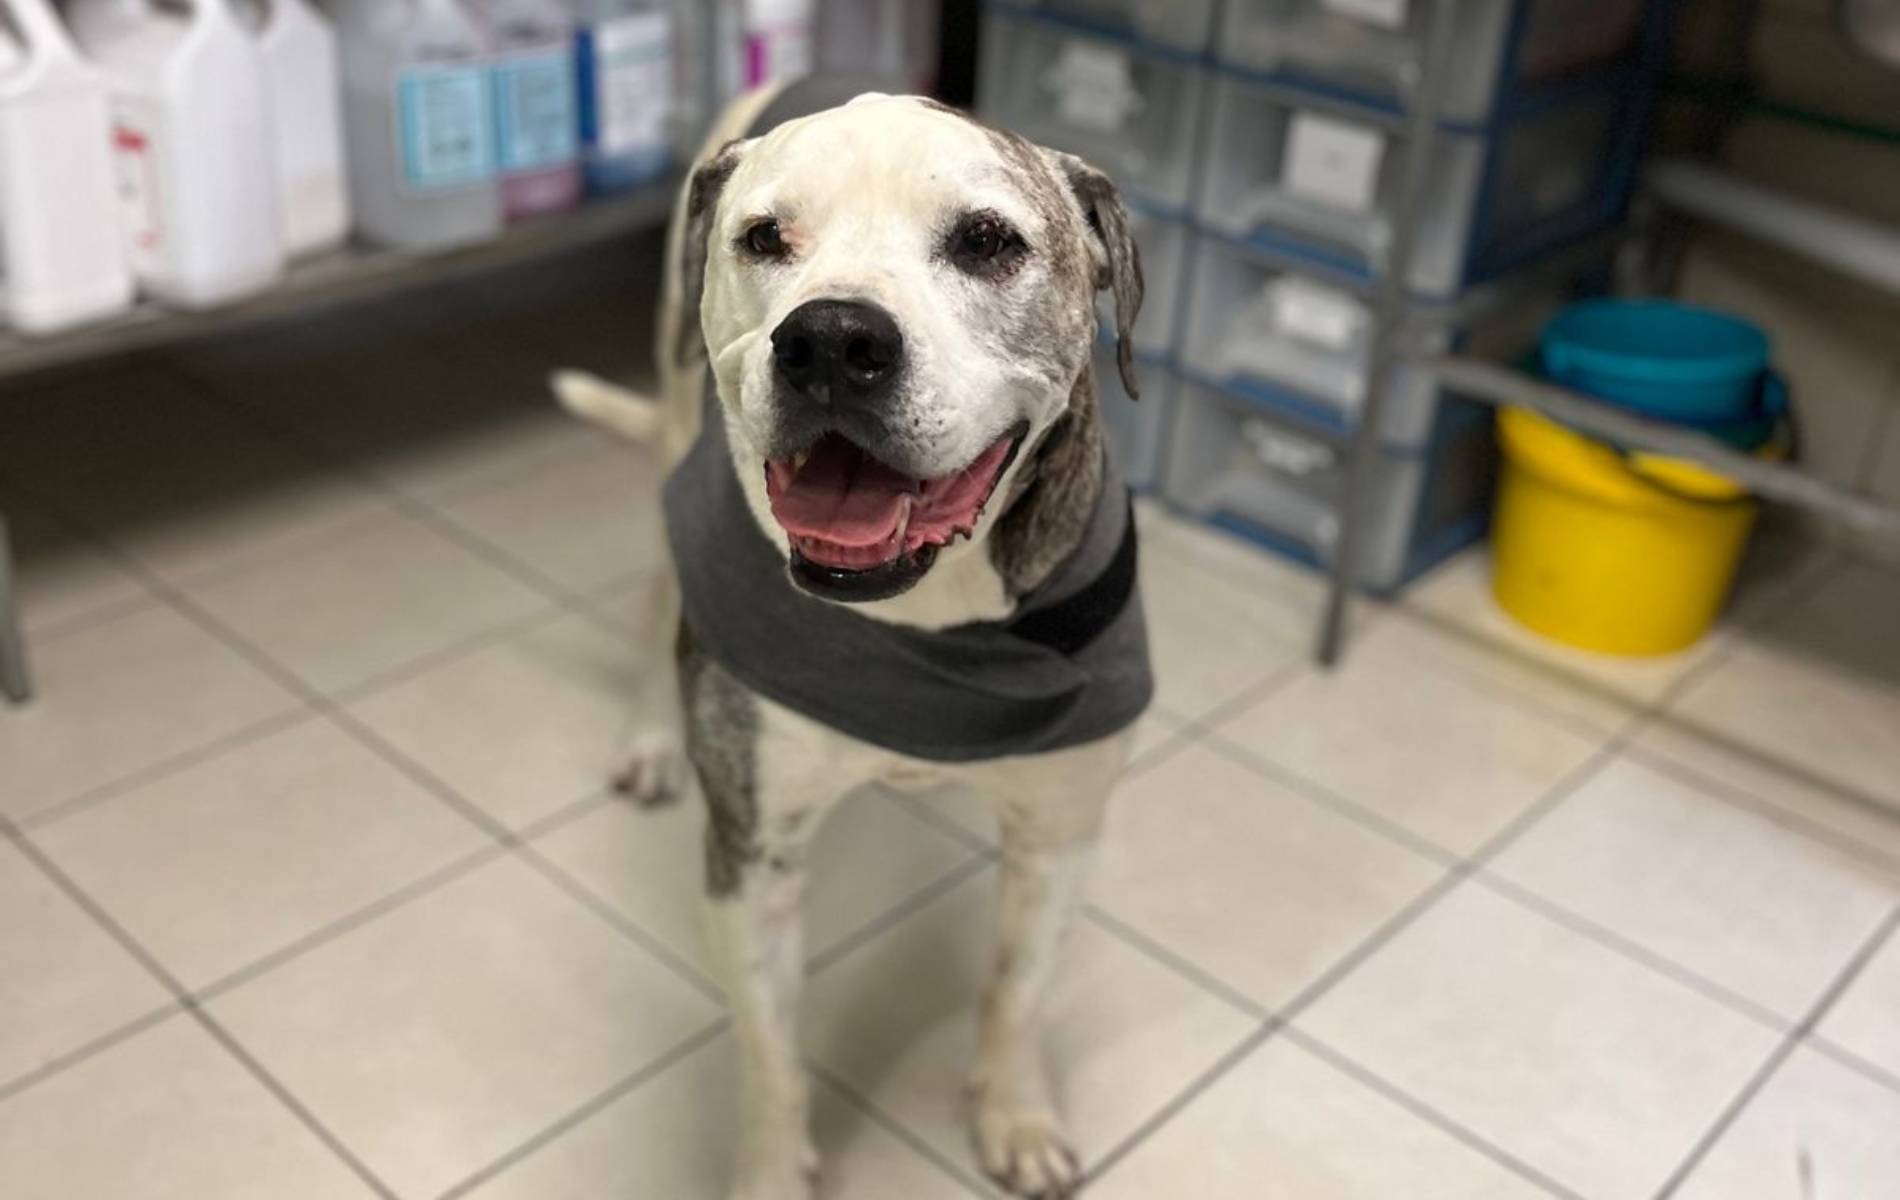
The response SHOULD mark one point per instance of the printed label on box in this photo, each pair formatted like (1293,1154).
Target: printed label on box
(631,66)
(1094,87)
(1332,161)
(534,110)
(444,136)
(1317,314)
(1387,13)
(1286,453)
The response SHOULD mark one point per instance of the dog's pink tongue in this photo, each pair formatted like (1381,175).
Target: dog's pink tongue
(841,495)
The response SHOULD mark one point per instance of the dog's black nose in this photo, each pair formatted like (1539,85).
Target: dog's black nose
(838,350)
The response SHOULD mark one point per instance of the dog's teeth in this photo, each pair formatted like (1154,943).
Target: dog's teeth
(800,459)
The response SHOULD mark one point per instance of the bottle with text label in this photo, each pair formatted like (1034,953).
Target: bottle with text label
(300,66)
(191,140)
(537,117)
(625,52)
(61,259)
(419,115)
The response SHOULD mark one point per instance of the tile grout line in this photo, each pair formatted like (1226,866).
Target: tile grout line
(1280,677)
(1191,726)
(193,1009)
(60,1063)
(927,814)
(900,912)
(1236,1054)
(588,1109)
(614,919)
(279,552)
(165,768)
(1320,796)
(1823,1045)
(414,890)
(91,618)
(1770,1066)
(324,706)
(348,722)
(1376,1083)
(323,935)
(1388,930)
(1111,924)
(1797,823)
(897,1129)
(1629,707)
(1635,951)
(1467,639)
(945,883)
(432,514)
(519,630)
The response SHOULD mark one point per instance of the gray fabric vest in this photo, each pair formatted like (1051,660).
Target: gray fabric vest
(1070,667)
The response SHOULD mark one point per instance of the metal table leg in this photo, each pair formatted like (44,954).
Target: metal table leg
(13,679)
(1391,306)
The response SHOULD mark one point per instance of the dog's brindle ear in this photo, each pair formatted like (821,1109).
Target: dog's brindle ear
(702,201)
(1120,268)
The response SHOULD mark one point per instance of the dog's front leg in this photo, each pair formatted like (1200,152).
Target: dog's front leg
(767,784)
(1050,811)
(757,929)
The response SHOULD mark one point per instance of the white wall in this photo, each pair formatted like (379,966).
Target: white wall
(1838,341)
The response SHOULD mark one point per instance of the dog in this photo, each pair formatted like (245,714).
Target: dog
(894,308)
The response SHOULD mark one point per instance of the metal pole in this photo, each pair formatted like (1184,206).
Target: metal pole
(14,684)
(1498,385)
(1390,304)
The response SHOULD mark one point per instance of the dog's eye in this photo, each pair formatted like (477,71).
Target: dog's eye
(982,240)
(765,239)
(984,244)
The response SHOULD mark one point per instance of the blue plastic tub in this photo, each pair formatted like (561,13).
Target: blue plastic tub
(1662,359)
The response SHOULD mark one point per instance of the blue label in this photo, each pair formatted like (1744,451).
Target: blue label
(444,130)
(535,110)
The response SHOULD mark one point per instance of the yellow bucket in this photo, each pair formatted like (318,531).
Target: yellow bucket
(1624,554)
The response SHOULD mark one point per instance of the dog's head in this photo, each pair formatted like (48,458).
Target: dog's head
(897,300)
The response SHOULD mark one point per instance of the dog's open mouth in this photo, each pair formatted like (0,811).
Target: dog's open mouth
(849,514)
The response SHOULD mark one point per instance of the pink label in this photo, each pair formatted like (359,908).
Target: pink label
(138,186)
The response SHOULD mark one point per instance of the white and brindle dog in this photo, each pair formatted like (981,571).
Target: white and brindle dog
(961,265)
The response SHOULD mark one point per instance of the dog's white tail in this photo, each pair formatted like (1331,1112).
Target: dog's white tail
(608,405)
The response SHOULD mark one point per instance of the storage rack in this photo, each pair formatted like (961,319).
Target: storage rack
(338,278)
(1830,239)
(1382,487)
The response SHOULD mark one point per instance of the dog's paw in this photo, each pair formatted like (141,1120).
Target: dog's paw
(1024,1149)
(657,770)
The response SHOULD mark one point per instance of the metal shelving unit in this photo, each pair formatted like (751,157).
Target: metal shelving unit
(1842,243)
(342,277)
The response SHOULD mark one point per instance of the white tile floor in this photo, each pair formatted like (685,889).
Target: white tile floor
(310,888)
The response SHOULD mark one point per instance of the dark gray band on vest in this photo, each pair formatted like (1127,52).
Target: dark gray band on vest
(978,691)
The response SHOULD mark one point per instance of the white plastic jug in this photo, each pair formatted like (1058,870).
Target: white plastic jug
(61,258)
(625,51)
(192,142)
(537,111)
(421,126)
(300,65)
